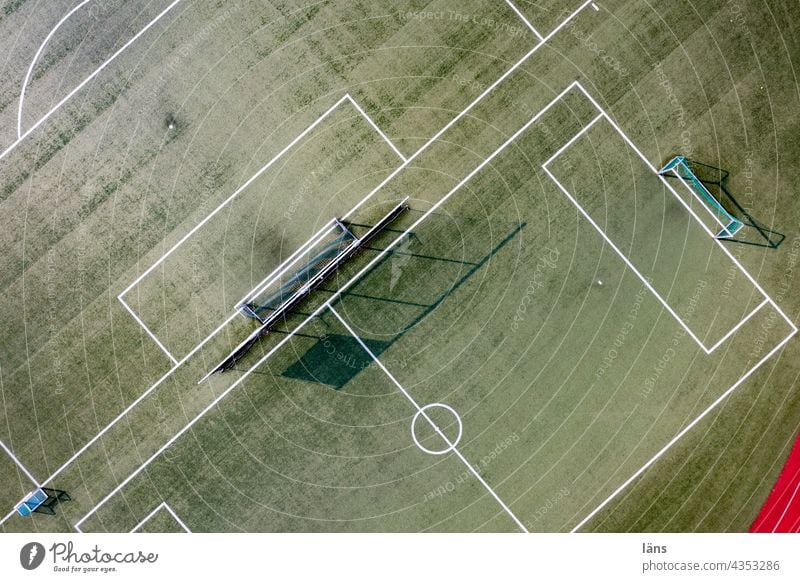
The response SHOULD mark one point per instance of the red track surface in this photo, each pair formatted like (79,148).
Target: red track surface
(781,512)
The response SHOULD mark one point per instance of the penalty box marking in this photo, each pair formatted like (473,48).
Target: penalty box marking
(602,115)
(346,99)
(696,196)
(767,300)
(347,285)
(421,411)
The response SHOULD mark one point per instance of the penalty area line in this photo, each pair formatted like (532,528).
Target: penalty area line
(130,407)
(176,518)
(680,199)
(148,517)
(177,364)
(355,278)
(147,331)
(422,412)
(199,415)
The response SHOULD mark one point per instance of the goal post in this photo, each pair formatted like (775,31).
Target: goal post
(42,500)
(302,283)
(680,167)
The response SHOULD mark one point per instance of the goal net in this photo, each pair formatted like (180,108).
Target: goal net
(681,168)
(270,300)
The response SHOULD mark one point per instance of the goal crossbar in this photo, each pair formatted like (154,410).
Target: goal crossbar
(680,167)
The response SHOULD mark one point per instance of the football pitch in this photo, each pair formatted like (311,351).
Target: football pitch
(551,336)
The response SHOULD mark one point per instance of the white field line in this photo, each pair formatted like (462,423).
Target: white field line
(162,505)
(227,201)
(608,240)
(677,437)
(147,330)
(666,183)
(450,444)
(270,277)
(36,58)
(327,304)
(468,108)
(288,263)
(10,514)
(785,509)
(406,161)
(525,20)
(178,519)
(344,287)
(702,203)
(375,127)
(149,515)
(19,464)
(87,80)
(130,407)
(158,382)
(738,325)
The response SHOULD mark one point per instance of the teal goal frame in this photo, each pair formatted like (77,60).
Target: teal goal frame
(681,168)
